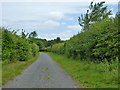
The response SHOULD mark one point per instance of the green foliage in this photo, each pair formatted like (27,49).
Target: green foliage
(39,42)
(52,42)
(41,45)
(97,44)
(23,49)
(0,44)
(35,49)
(24,35)
(15,47)
(8,44)
(57,48)
(96,12)
(33,34)
(91,75)
(99,39)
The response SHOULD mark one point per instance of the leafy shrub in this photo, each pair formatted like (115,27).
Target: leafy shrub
(97,44)
(57,48)
(7,44)
(15,47)
(23,49)
(35,49)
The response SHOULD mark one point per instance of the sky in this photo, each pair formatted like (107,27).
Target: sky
(49,18)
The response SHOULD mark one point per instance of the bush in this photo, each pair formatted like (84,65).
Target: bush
(57,48)
(35,49)
(16,48)
(96,44)
(8,44)
(23,50)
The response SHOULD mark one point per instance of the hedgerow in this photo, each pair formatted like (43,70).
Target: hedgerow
(35,49)
(98,43)
(98,40)
(16,48)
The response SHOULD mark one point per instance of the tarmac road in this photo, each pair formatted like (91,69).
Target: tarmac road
(44,73)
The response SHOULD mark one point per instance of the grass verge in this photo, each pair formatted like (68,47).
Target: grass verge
(90,75)
(10,71)
(0,73)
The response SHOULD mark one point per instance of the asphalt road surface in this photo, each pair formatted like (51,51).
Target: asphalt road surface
(44,73)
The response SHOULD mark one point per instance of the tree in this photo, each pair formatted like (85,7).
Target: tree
(58,39)
(23,34)
(96,12)
(40,44)
(33,34)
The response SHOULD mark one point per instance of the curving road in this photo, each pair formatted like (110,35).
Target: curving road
(44,73)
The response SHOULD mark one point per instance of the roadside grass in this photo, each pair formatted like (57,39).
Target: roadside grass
(10,71)
(0,73)
(89,75)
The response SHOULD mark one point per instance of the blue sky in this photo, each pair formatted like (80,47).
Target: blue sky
(49,19)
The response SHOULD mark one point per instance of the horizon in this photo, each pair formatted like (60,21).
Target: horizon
(49,19)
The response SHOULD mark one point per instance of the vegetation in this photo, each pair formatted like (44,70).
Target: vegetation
(57,48)
(52,42)
(16,48)
(42,43)
(10,71)
(98,43)
(96,12)
(90,57)
(0,73)
(90,75)
(93,53)
(18,52)
(0,58)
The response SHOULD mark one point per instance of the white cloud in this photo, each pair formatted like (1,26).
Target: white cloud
(56,15)
(74,27)
(83,10)
(26,13)
(63,35)
(82,1)
(45,17)
(69,18)
(47,24)
(108,1)
(51,23)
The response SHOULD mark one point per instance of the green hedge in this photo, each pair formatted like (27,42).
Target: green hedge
(16,48)
(98,43)
(35,49)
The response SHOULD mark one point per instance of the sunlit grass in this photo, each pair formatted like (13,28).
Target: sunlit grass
(10,71)
(89,75)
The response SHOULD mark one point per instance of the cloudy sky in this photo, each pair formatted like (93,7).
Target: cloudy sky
(49,18)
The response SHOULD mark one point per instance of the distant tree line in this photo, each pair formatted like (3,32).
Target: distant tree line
(43,43)
(22,47)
